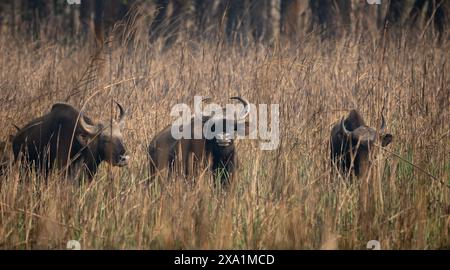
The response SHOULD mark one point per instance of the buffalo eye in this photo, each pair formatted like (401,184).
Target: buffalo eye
(83,138)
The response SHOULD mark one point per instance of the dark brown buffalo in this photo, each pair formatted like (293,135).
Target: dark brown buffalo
(64,138)
(218,154)
(352,143)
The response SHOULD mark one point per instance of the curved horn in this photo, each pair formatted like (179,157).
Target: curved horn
(122,114)
(246,106)
(90,129)
(344,129)
(18,128)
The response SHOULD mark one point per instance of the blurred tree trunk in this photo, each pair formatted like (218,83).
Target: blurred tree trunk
(442,19)
(329,15)
(344,9)
(380,16)
(85,10)
(368,19)
(99,6)
(436,12)
(167,25)
(220,12)
(175,19)
(417,8)
(201,8)
(321,12)
(207,17)
(156,28)
(289,12)
(235,28)
(260,19)
(115,11)
(7,15)
(35,11)
(294,18)
(275,19)
(2,13)
(394,12)
(13,17)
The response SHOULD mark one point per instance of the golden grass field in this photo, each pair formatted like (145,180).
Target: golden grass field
(283,199)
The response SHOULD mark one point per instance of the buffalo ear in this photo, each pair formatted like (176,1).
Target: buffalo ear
(386,139)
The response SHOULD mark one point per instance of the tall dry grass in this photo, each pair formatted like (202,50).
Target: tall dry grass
(282,199)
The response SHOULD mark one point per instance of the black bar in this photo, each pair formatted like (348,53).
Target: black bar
(241,259)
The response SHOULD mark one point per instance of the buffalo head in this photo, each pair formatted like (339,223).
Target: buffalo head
(222,129)
(106,138)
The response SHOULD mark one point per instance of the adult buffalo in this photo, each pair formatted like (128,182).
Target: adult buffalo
(65,138)
(217,153)
(352,143)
